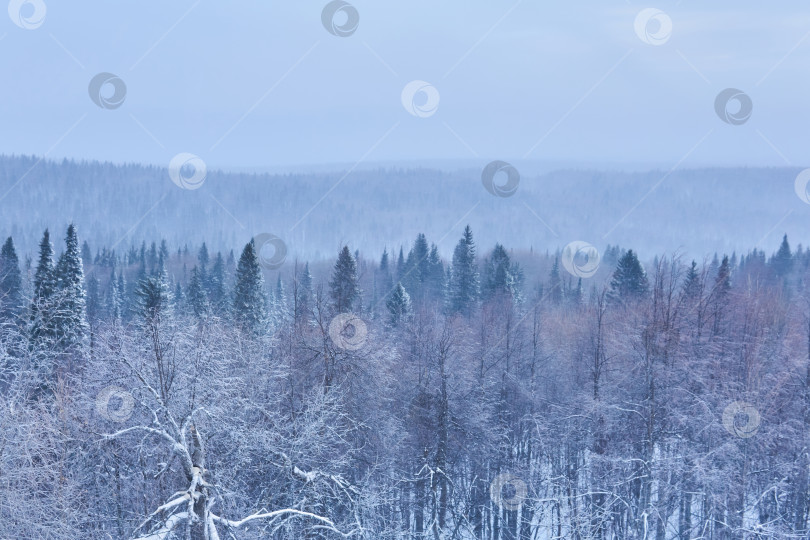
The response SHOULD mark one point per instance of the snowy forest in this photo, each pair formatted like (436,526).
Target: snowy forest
(162,391)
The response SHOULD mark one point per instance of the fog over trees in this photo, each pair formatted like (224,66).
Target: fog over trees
(694,211)
(170,389)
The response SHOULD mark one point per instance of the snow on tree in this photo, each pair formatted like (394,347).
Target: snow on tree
(11,296)
(463,287)
(629,280)
(249,301)
(398,304)
(71,321)
(343,286)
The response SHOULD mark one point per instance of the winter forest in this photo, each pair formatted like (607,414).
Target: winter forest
(355,270)
(172,392)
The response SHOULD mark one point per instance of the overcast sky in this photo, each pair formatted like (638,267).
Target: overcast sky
(264,84)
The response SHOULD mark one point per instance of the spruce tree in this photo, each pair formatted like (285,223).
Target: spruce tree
(629,279)
(434,281)
(71,316)
(195,294)
(691,284)
(249,302)
(43,323)
(463,286)
(501,277)
(202,261)
(399,304)
(343,287)
(417,268)
(86,255)
(303,303)
(385,282)
(217,295)
(782,261)
(722,283)
(113,307)
(11,297)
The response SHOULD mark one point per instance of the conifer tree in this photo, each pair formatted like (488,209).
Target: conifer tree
(691,284)
(153,298)
(217,295)
(434,281)
(249,303)
(196,297)
(71,318)
(501,277)
(43,323)
(399,304)
(782,261)
(11,296)
(463,283)
(113,299)
(385,282)
(303,303)
(343,287)
(629,279)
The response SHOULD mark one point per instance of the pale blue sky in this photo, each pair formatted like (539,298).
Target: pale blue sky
(263,84)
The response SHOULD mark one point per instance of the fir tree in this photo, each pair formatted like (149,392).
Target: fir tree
(43,323)
(399,304)
(202,261)
(629,279)
(434,280)
(86,255)
(10,282)
(417,268)
(501,276)
(71,316)
(217,294)
(385,281)
(463,283)
(400,265)
(691,284)
(303,303)
(249,303)
(196,297)
(343,287)
(153,300)
(93,299)
(113,307)
(782,261)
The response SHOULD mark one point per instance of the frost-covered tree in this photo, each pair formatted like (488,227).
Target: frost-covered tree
(71,321)
(195,294)
(11,298)
(398,304)
(43,307)
(343,287)
(217,293)
(629,280)
(463,287)
(782,261)
(502,277)
(249,301)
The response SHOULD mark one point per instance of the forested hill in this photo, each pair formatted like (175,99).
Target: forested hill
(699,211)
